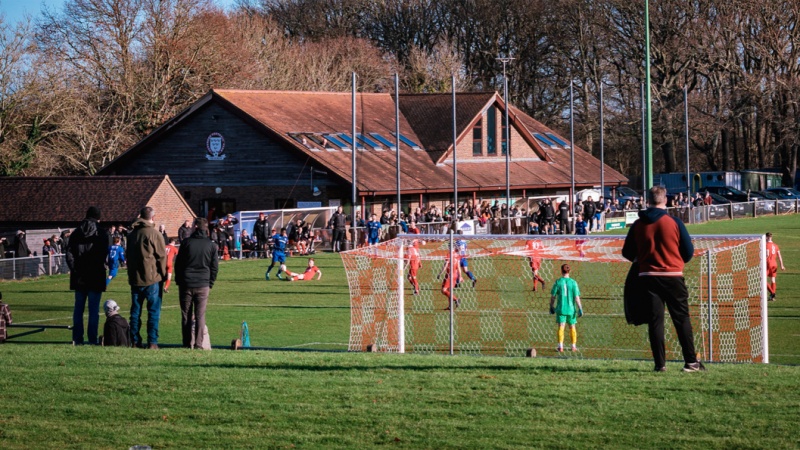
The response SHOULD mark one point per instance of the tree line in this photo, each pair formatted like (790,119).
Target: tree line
(80,84)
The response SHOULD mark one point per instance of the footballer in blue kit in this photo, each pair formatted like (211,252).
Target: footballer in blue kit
(279,244)
(116,256)
(461,247)
(373,230)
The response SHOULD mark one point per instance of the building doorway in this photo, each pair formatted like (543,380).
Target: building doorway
(214,208)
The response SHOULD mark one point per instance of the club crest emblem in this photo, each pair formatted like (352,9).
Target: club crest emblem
(215,147)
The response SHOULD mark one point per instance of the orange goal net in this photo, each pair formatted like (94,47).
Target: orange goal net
(501,313)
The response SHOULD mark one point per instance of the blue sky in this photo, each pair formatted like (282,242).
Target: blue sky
(15,10)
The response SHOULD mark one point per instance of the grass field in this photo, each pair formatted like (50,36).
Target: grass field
(55,396)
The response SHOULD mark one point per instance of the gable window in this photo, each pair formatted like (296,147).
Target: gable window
(504,144)
(491,131)
(477,138)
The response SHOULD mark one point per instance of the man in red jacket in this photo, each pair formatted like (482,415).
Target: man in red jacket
(661,245)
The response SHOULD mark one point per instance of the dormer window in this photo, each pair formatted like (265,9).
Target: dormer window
(477,138)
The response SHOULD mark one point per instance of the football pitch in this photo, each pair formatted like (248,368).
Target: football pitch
(55,395)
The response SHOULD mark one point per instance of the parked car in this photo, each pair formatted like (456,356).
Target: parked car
(623,194)
(717,199)
(785,193)
(731,193)
(765,195)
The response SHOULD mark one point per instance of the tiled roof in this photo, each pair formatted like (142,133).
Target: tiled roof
(424,118)
(66,199)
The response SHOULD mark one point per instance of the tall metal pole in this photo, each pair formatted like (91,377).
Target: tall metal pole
(355,188)
(455,139)
(686,131)
(507,149)
(644,145)
(649,118)
(397,136)
(602,147)
(572,145)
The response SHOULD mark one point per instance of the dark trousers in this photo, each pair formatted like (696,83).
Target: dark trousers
(193,307)
(338,239)
(672,292)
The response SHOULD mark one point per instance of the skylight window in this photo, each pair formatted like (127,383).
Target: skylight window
(369,142)
(347,139)
(332,139)
(556,139)
(409,142)
(383,141)
(303,140)
(544,140)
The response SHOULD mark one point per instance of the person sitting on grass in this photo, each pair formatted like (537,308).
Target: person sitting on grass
(311,270)
(116,330)
(568,294)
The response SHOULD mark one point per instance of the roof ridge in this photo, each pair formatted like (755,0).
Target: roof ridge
(267,91)
(88,177)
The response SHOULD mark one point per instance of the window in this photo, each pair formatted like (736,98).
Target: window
(383,141)
(557,140)
(544,140)
(491,131)
(332,140)
(504,144)
(477,139)
(409,142)
(368,141)
(347,139)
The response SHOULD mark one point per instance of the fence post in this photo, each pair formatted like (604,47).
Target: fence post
(710,322)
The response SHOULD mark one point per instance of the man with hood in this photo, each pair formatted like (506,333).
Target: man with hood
(195,273)
(86,258)
(661,245)
(147,268)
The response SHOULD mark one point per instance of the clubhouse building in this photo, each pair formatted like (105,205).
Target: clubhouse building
(239,150)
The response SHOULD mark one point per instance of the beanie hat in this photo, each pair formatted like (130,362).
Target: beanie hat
(110,307)
(93,213)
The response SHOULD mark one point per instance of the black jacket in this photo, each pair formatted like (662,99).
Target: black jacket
(86,258)
(589,208)
(20,247)
(116,332)
(196,264)
(261,230)
(184,232)
(338,221)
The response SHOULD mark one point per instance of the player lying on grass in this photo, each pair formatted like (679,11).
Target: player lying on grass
(311,270)
(566,291)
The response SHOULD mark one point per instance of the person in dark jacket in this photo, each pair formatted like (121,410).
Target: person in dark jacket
(86,258)
(20,247)
(589,210)
(661,245)
(185,230)
(339,224)
(116,331)
(195,273)
(261,233)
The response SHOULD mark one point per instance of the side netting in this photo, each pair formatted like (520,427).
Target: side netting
(503,315)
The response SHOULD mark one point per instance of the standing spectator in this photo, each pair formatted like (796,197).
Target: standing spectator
(163,230)
(48,249)
(373,231)
(549,216)
(185,230)
(170,251)
(773,257)
(5,319)
(195,273)
(116,256)
(600,209)
(88,248)
(116,331)
(20,247)
(3,243)
(147,268)
(261,235)
(589,209)
(707,200)
(64,242)
(339,223)
(563,216)
(698,200)
(661,245)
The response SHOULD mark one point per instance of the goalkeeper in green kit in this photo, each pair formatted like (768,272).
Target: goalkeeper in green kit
(565,303)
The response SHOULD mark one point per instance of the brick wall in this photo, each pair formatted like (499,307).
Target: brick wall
(169,208)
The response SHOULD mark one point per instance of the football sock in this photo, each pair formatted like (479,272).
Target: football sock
(471,276)
(270,268)
(560,335)
(573,335)
(771,288)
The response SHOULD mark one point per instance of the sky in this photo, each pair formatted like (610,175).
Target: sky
(15,10)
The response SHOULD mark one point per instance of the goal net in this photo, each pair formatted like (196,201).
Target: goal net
(503,315)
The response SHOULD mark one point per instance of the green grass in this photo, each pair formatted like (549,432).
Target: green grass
(57,396)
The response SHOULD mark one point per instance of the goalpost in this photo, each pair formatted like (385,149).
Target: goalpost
(503,315)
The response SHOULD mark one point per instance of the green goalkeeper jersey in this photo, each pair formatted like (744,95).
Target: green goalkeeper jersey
(565,290)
